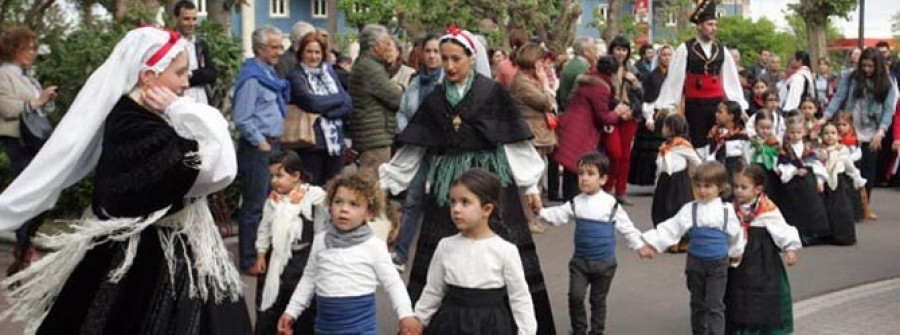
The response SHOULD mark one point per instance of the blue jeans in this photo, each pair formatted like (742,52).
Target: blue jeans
(19,158)
(412,214)
(253,167)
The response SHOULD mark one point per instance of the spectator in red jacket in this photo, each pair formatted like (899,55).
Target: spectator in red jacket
(581,124)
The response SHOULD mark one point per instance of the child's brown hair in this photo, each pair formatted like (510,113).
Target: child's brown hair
(363,186)
(712,173)
(844,116)
(755,173)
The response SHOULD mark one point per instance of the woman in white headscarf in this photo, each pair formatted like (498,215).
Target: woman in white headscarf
(470,121)
(147,259)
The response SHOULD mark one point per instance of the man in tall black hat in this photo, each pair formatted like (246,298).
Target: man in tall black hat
(703,72)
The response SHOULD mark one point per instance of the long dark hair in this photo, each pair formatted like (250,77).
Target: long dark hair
(880,78)
(607,64)
(735,110)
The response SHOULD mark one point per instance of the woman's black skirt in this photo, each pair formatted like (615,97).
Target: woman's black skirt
(144,301)
(643,157)
(803,208)
(855,198)
(840,214)
(437,224)
(267,321)
(473,312)
(672,192)
(754,294)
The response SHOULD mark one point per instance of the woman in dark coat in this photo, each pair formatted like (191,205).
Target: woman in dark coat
(649,135)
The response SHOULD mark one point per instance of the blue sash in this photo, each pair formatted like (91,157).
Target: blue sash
(595,240)
(346,315)
(708,243)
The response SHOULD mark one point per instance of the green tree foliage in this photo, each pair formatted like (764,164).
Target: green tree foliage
(815,14)
(750,36)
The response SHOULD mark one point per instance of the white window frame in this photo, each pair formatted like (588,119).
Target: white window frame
(720,13)
(323,5)
(602,12)
(671,20)
(285,8)
(201,7)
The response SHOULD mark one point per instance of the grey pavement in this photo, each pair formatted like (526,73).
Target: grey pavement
(651,297)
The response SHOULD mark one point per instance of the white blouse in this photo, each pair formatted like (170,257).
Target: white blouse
(595,207)
(709,214)
(208,127)
(677,159)
(312,207)
(784,235)
(838,160)
(478,264)
(788,171)
(349,272)
(525,163)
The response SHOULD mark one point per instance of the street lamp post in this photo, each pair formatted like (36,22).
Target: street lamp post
(862,16)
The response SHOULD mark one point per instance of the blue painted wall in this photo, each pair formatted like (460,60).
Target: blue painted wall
(300,10)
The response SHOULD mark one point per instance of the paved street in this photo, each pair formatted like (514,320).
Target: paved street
(650,297)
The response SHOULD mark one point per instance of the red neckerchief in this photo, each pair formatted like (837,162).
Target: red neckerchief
(675,142)
(761,205)
(758,100)
(721,134)
(849,138)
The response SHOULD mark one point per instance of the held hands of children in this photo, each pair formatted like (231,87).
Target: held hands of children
(411,325)
(790,258)
(646,252)
(285,325)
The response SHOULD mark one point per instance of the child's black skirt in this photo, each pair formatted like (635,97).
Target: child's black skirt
(474,312)
(754,293)
(267,321)
(672,192)
(803,208)
(855,198)
(840,213)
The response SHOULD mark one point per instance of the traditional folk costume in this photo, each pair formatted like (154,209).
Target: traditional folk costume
(728,146)
(715,236)
(674,163)
(799,86)
(597,217)
(841,178)
(764,152)
(458,127)
(704,74)
(150,259)
(646,142)
(343,271)
(799,200)
(285,235)
(476,287)
(859,199)
(758,298)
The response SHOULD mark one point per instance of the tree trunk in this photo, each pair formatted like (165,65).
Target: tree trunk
(613,20)
(218,12)
(816,27)
(331,7)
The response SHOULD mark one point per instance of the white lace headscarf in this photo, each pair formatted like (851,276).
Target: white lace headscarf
(471,43)
(74,148)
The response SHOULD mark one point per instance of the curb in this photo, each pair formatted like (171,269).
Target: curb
(812,305)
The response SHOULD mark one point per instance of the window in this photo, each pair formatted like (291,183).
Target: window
(671,21)
(201,7)
(279,8)
(360,8)
(601,14)
(319,9)
(720,13)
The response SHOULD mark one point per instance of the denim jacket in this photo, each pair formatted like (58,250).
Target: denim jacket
(844,93)
(409,105)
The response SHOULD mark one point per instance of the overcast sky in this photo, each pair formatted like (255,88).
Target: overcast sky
(877,23)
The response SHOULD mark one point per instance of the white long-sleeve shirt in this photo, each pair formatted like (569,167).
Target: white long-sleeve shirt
(795,85)
(525,163)
(837,160)
(788,171)
(312,207)
(208,127)
(709,214)
(478,264)
(673,87)
(349,272)
(595,207)
(677,159)
(785,236)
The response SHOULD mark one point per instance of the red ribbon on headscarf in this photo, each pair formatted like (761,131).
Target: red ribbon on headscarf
(163,50)
(455,31)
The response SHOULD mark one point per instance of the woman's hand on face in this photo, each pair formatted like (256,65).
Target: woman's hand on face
(158,99)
